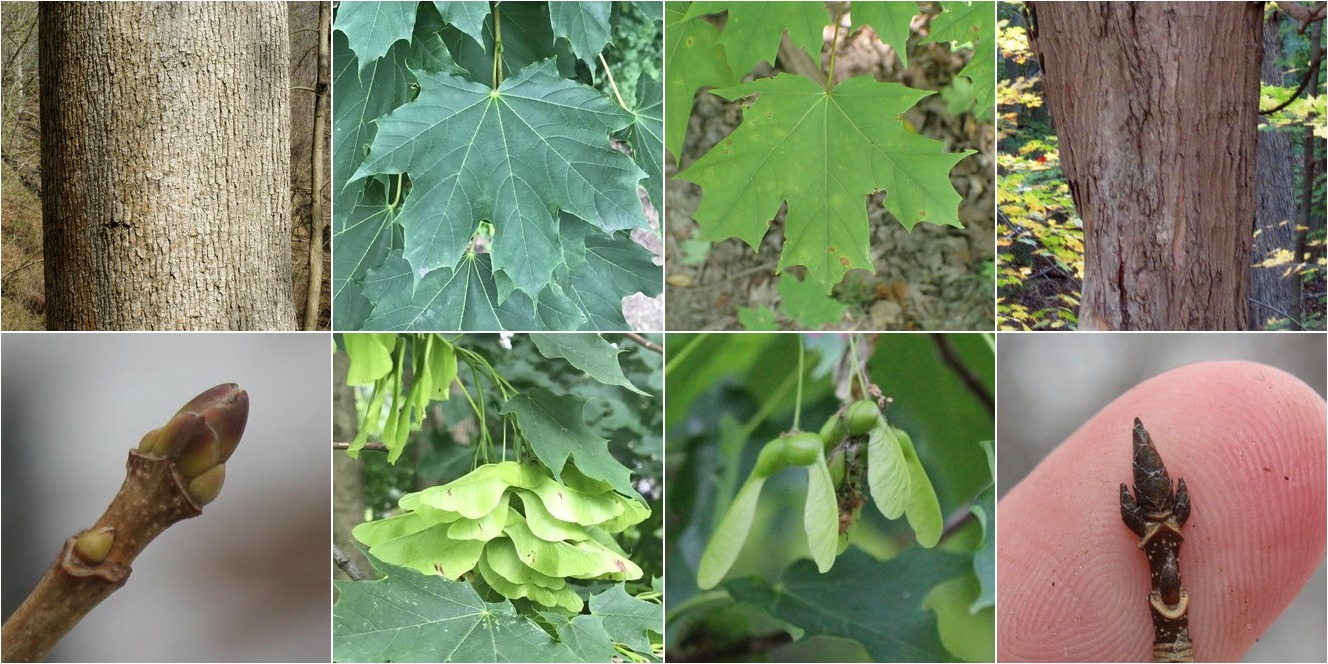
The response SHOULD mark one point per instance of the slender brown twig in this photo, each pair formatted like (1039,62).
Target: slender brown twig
(956,365)
(371,446)
(1156,513)
(345,564)
(644,342)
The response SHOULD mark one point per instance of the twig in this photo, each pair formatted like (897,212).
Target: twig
(371,446)
(345,564)
(644,342)
(1305,15)
(175,471)
(1278,311)
(318,160)
(27,264)
(970,381)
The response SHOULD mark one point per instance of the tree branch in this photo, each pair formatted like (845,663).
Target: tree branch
(372,447)
(346,565)
(644,342)
(1305,15)
(970,381)
(175,471)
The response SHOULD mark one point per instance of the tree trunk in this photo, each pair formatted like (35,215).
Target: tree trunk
(166,165)
(348,502)
(1275,290)
(1156,108)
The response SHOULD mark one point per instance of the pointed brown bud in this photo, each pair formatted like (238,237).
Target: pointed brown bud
(204,488)
(93,545)
(226,410)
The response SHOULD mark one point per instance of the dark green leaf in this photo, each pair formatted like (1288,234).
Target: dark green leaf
(583,24)
(587,352)
(878,604)
(372,27)
(409,617)
(754,29)
(556,429)
(646,135)
(807,303)
(468,17)
(512,156)
(984,558)
(628,619)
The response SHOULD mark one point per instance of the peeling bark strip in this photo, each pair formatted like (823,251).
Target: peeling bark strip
(1155,513)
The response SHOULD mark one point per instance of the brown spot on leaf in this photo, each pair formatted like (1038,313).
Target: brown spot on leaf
(831,249)
(843,260)
(619,564)
(922,213)
(439,568)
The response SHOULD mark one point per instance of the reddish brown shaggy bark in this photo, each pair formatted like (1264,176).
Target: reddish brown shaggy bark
(1156,108)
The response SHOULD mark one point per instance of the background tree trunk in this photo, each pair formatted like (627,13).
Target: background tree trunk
(348,502)
(1156,108)
(1274,291)
(166,165)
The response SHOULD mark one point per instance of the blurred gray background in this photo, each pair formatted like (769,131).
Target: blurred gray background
(246,580)
(1048,384)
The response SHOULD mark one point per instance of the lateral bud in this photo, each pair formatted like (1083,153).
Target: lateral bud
(204,488)
(93,545)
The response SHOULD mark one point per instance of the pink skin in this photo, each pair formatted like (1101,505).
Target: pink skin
(1249,441)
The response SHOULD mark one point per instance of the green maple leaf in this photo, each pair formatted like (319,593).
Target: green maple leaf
(372,27)
(754,29)
(890,21)
(468,17)
(446,622)
(695,60)
(460,298)
(514,156)
(556,427)
(878,604)
(585,25)
(823,152)
(971,23)
(587,352)
(804,302)
(646,135)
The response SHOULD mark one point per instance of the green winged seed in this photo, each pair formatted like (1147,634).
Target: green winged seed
(888,474)
(477,493)
(420,545)
(546,526)
(923,509)
(821,515)
(502,558)
(565,598)
(727,540)
(484,528)
(584,560)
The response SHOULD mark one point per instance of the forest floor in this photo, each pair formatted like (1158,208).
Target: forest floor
(932,278)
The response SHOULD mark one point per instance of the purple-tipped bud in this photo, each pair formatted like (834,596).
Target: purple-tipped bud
(225,408)
(92,546)
(204,488)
